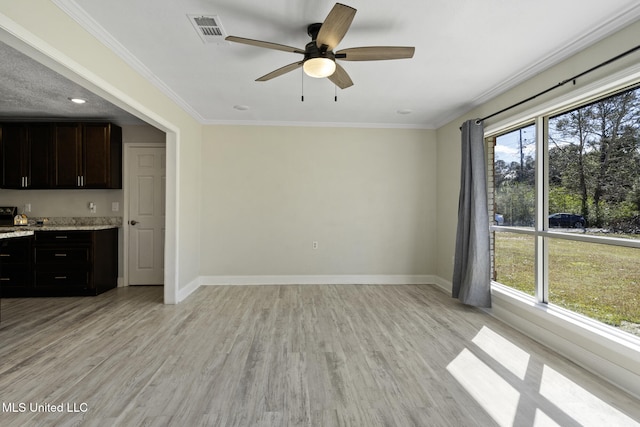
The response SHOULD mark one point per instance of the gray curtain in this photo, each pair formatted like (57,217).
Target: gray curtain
(472,263)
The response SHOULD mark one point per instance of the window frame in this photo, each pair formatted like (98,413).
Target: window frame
(541,232)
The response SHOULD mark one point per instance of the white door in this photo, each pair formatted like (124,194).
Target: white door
(147,175)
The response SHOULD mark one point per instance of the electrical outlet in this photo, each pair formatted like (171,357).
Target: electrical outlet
(115,206)
(27,207)
(314,245)
(92,207)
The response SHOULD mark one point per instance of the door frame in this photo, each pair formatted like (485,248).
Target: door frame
(125,202)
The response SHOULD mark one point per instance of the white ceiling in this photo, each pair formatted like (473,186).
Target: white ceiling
(467,51)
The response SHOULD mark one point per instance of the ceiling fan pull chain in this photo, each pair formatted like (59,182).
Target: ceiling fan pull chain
(302,86)
(335,93)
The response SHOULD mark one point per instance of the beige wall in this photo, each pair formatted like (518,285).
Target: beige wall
(367,196)
(63,203)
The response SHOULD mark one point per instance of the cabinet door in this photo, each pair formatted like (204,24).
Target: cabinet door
(15,251)
(39,156)
(67,155)
(15,273)
(96,165)
(14,143)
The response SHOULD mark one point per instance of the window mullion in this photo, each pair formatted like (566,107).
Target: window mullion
(541,207)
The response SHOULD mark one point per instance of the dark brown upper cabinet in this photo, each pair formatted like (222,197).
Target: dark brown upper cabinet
(102,155)
(60,155)
(25,150)
(87,155)
(67,152)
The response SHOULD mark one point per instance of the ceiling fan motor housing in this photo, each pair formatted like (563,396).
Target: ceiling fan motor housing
(313,51)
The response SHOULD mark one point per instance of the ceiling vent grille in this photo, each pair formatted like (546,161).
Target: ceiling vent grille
(208,27)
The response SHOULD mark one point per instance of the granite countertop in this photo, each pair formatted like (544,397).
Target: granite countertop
(17,233)
(64,224)
(32,228)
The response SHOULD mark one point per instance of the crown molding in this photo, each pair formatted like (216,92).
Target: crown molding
(589,38)
(319,124)
(78,14)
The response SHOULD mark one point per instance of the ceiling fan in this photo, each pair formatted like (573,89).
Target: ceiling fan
(319,59)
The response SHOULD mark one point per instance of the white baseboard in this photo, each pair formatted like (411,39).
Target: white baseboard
(188,289)
(443,284)
(355,279)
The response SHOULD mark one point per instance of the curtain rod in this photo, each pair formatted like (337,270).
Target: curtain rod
(562,83)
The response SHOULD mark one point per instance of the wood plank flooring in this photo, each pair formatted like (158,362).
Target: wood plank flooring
(286,356)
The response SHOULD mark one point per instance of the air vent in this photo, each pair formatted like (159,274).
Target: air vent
(208,27)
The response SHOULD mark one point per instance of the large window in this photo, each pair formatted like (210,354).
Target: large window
(566,209)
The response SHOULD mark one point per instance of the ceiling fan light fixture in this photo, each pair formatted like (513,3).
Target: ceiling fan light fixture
(319,67)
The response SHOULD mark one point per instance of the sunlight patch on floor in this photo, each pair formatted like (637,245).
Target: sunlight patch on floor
(503,351)
(489,389)
(505,381)
(578,403)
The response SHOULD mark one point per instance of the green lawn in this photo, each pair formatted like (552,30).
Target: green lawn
(599,281)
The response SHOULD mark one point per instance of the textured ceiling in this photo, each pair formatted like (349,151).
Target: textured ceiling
(466,53)
(31,90)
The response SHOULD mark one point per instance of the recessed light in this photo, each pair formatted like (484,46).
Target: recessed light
(241,107)
(78,100)
(404,111)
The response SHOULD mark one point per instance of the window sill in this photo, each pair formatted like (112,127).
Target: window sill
(604,350)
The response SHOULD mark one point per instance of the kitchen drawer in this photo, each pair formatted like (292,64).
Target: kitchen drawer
(14,276)
(14,250)
(46,255)
(62,278)
(63,237)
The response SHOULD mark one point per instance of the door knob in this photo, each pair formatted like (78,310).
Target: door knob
(133,222)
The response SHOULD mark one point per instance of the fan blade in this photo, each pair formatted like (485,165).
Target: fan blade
(260,43)
(280,71)
(375,53)
(335,26)
(340,78)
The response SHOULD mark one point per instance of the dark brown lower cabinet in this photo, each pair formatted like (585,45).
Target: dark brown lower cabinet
(68,263)
(15,266)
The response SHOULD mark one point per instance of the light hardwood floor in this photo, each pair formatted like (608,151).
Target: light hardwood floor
(287,356)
